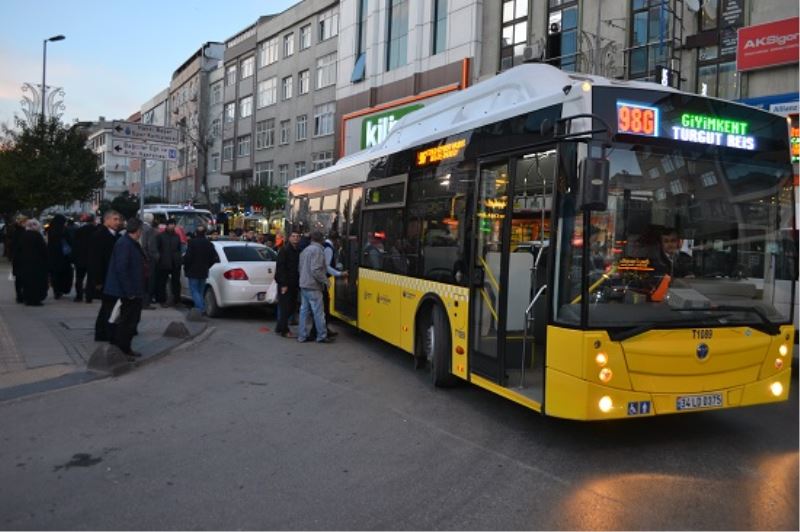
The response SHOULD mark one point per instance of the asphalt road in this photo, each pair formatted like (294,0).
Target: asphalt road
(245,430)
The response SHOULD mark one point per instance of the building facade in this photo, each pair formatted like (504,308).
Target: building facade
(155,112)
(188,105)
(280,95)
(114,167)
(217,181)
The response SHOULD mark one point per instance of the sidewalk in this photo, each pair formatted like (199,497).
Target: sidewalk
(48,347)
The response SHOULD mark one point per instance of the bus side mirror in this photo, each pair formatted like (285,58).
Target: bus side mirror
(594,173)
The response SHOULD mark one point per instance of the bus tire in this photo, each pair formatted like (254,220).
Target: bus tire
(434,337)
(212,308)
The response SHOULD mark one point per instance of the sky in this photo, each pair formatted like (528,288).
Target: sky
(117,53)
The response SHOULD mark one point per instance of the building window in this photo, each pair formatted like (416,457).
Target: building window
(359,67)
(323,119)
(288,45)
(397,45)
(299,169)
(245,107)
(650,45)
(514,34)
(720,80)
(230,112)
(562,34)
(267,92)
(269,133)
(283,174)
(230,75)
(286,84)
(269,52)
(709,15)
(216,93)
(215,162)
(248,66)
(227,150)
(264,173)
(329,24)
(439,26)
(305,37)
(301,127)
(216,128)
(326,70)
(261,135)
(243,146)
(321,160)
(303,82)
(286,128)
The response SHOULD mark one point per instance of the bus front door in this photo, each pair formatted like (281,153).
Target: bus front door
(508,321)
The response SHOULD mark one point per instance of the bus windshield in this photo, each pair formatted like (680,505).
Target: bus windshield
(689,238)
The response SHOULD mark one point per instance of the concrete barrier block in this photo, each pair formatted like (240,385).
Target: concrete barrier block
(176,329)
(109,359)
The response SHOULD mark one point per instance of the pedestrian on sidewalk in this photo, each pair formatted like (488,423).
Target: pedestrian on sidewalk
(126,281)
(148,243)
(32,264)
(168,245)
(17,231)
(287,275)
(200,256)
(80,256)
(313,280)
(59,251)
(102,245)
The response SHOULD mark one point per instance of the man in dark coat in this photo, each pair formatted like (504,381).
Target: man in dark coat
(80,257)
(59,251)
(168,246)
(32,264)
(200,256)
(101,247)
(17,231)
(125,280)
(287,275)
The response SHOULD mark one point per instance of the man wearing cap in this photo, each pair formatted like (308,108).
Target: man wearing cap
(168,265)
(125,281)
(313,280)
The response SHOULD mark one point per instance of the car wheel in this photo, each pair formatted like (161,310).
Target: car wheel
(212,308)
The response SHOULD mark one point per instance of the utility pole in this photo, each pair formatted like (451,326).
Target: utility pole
(597,53)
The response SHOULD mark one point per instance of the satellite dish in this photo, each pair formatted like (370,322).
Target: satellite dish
(693,5)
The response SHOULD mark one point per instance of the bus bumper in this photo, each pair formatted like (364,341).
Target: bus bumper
(574,398)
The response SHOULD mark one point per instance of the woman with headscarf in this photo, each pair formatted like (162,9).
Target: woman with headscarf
(59,251)
(33,264)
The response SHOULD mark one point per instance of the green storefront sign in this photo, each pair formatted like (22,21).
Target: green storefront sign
(375,128)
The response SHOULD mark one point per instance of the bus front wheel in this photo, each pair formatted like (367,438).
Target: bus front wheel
(433,337)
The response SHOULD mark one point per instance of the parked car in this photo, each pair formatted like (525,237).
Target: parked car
(240,278)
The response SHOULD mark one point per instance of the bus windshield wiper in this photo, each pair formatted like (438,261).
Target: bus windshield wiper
(618,335)
(766,326)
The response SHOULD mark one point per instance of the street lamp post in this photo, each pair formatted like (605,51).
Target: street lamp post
(44,68)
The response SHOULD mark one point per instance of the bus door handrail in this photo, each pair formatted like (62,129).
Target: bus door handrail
(528,320)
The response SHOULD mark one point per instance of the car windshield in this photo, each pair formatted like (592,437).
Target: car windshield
(248,253)
(687,239)
(189,220)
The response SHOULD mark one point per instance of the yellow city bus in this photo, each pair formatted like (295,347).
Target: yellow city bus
(588,248)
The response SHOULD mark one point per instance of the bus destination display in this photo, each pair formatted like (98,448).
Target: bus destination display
(645,120)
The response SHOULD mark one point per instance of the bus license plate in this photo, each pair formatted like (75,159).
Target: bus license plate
(693,402)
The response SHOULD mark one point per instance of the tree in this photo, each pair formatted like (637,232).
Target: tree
(229,197)
(44,165)
(270,198)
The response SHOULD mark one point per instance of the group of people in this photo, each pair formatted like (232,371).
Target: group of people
(303,270)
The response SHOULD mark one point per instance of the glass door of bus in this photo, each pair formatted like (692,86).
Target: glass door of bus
(345,300)
(509,318)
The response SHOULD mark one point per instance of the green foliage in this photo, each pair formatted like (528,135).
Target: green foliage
(270,198)
(229,197)
(44,165)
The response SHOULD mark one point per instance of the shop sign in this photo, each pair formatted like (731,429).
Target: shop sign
(766,45)
(375,128)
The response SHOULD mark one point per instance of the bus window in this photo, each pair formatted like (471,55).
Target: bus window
(383,241)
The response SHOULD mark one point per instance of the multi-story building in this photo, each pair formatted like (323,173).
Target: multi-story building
(188,101)
(280,95)
(216,179)
(114,167)
(155,112)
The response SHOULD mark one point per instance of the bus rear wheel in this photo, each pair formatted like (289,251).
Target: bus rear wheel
(433,339)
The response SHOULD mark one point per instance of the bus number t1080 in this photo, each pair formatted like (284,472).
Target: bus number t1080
(637,120)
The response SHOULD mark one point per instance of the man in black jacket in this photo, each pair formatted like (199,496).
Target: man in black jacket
(287,275)
(126,281)
(200,256)
(168,246)
(80,256)
(100,249)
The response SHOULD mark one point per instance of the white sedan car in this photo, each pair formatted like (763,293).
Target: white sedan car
(240,278)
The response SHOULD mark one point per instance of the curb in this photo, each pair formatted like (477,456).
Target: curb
(85,376)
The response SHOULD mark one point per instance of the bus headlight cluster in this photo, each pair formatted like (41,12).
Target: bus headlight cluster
(778,363)
(601,359)
(606,404)
(783,350)
(605,375)
(776,388)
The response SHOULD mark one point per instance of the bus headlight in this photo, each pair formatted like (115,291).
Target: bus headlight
(783,350)
(778,363)
(606,404)
(601,359)
(776,388)
(605,375)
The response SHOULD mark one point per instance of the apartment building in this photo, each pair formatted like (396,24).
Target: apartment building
(280,95)
(188,111)
(155,112)
(217,181)
(114,167)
